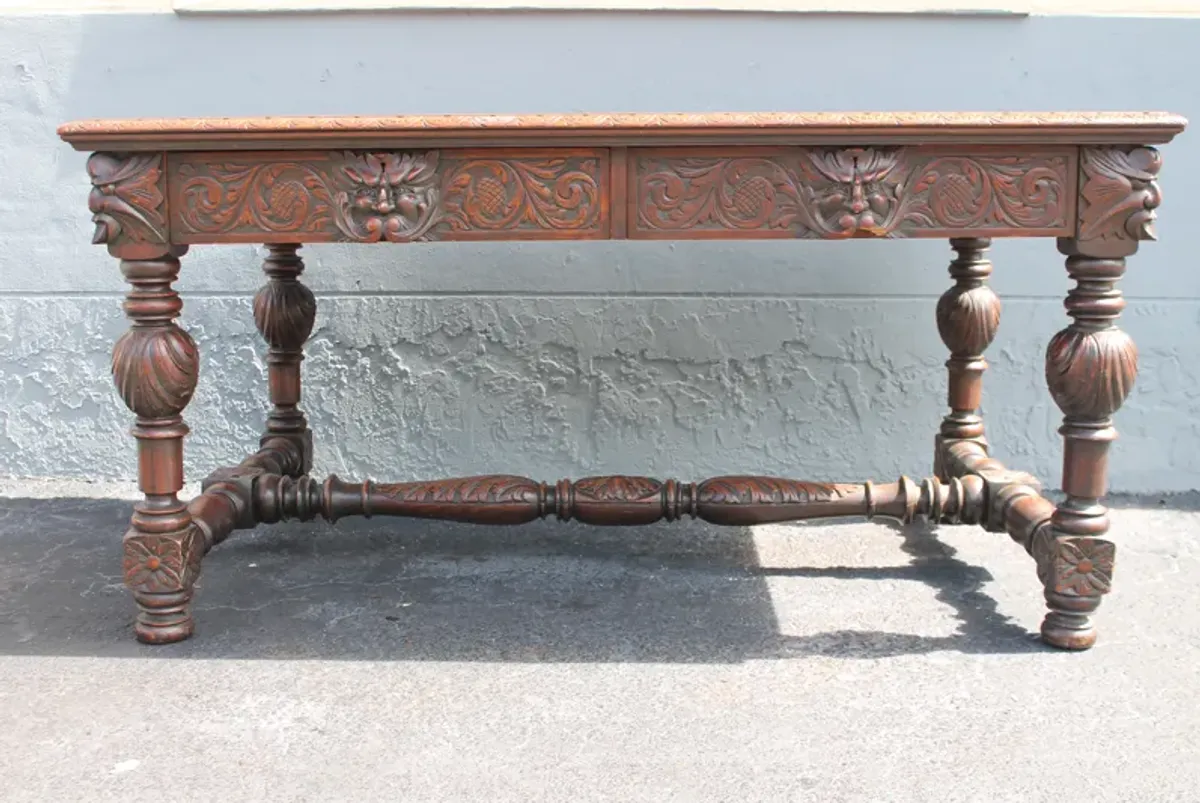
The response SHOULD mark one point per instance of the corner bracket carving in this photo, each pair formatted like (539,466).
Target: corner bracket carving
(128,198)
(1118,194)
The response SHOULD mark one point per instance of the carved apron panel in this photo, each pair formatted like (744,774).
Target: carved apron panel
(850,192)
(393,196)
(677,193)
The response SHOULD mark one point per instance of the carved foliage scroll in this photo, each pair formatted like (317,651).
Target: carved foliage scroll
(852,192)
(492,489)
(127,198)
(617,488)
(397,196)
(764,491)
(500,195)
(402,196)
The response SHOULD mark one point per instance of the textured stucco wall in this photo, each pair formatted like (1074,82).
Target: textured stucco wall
(819,360)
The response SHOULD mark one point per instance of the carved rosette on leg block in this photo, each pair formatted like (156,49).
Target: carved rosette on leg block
(968,315)
(1090,370)
(155,366)
(284,311)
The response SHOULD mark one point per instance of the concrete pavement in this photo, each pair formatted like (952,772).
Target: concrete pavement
(412,661)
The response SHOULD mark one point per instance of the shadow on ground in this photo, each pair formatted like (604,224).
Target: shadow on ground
(396,589)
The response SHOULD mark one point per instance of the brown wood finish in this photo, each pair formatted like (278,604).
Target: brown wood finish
(370,197)
(1090,368)
(619,500)
(792,128)
(968,316)
(851,192)
(285,311)
(677,193)
(1086,178)
(155,365)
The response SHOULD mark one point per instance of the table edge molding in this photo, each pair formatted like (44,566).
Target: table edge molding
(232,133)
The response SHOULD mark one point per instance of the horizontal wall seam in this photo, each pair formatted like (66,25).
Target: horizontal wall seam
(648,296)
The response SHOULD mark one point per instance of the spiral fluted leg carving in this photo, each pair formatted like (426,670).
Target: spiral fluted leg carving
(968,315)
(155,366)
(1090,370)
(284,311)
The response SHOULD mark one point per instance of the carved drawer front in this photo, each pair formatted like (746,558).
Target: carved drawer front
(850,192)
(396,196)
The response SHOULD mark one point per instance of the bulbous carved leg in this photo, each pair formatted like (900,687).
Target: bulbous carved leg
(155,365)
(968,315)
(284,311)
(1090,369)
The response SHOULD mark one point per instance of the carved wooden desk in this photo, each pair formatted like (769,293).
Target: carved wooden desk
(1088,179)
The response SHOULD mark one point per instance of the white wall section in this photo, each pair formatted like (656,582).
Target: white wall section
(1041,7)
(814,360)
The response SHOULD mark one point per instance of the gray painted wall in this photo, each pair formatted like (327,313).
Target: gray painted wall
(818,360)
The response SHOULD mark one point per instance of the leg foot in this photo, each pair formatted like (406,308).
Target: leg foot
(163,618)
(1068,624)
(1076,573)
(161,570)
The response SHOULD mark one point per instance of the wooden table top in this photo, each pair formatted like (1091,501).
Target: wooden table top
(832,128)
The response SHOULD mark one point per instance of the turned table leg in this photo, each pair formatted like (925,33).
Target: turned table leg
(1090,369)
(155,365)
(968,315)
(284,311)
